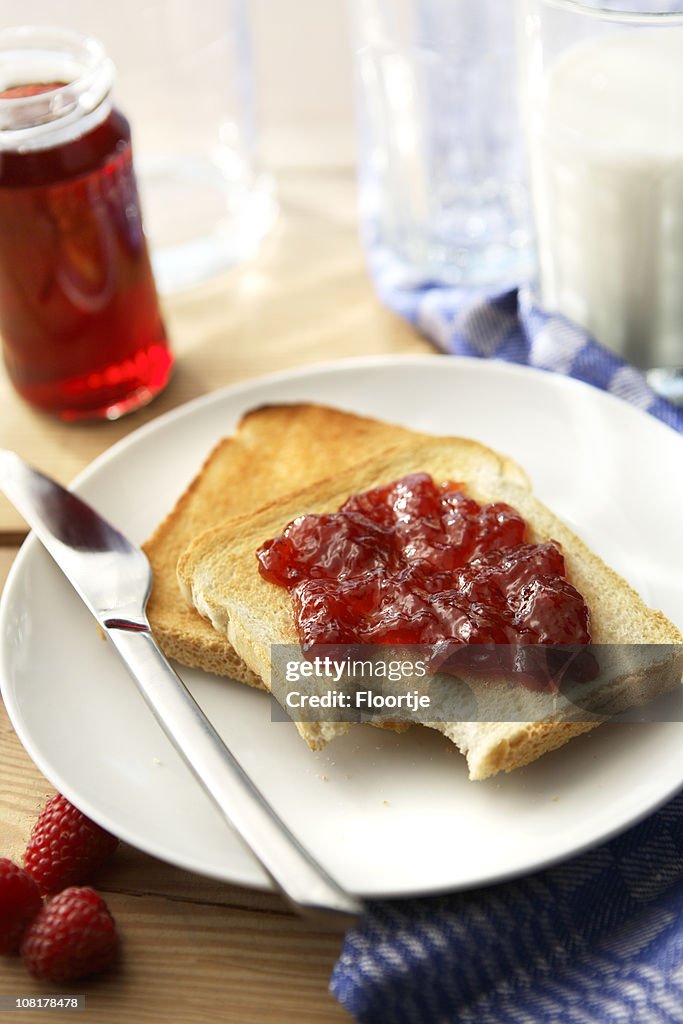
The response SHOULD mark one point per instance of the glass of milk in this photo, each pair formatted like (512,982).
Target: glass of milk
(603,87)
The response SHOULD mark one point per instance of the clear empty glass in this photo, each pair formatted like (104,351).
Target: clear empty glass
(186,76)
(441,159)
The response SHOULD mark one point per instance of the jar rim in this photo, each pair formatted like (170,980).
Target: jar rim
(607,10)
(32,55)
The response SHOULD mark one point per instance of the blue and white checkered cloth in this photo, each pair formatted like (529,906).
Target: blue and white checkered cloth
(594,941)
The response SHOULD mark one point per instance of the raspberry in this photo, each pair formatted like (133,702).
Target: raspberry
(65,847)
(19,902)
(73,936)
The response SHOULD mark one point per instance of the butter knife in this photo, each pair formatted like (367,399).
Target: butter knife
(113,578)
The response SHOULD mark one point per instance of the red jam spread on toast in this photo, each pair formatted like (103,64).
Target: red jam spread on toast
(415,562)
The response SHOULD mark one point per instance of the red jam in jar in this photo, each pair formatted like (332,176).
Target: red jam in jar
(418,563)
(80,322)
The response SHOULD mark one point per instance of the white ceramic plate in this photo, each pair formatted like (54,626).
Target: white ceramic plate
(387,814)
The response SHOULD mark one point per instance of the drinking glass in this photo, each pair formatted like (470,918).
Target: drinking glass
(604,116)
(442,169)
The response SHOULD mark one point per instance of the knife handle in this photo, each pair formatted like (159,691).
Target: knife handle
(302,880)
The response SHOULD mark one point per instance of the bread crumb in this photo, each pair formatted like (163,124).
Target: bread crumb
(156,760)
(555,799)
(385,802)
(323,778)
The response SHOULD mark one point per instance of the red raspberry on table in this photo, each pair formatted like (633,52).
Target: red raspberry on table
(65,847)
(73,936)
(20,901)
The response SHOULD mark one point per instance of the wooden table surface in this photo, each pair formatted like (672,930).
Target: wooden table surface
(194,950)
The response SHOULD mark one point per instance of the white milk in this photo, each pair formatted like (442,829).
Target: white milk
(607,163)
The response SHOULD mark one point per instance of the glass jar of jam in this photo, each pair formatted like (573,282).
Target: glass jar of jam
(82,332)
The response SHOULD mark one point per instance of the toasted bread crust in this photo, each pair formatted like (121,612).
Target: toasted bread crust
(527,744)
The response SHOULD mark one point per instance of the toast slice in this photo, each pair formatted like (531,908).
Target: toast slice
(275,450)
(218,574)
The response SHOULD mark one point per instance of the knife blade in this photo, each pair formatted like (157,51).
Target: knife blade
(113,578)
